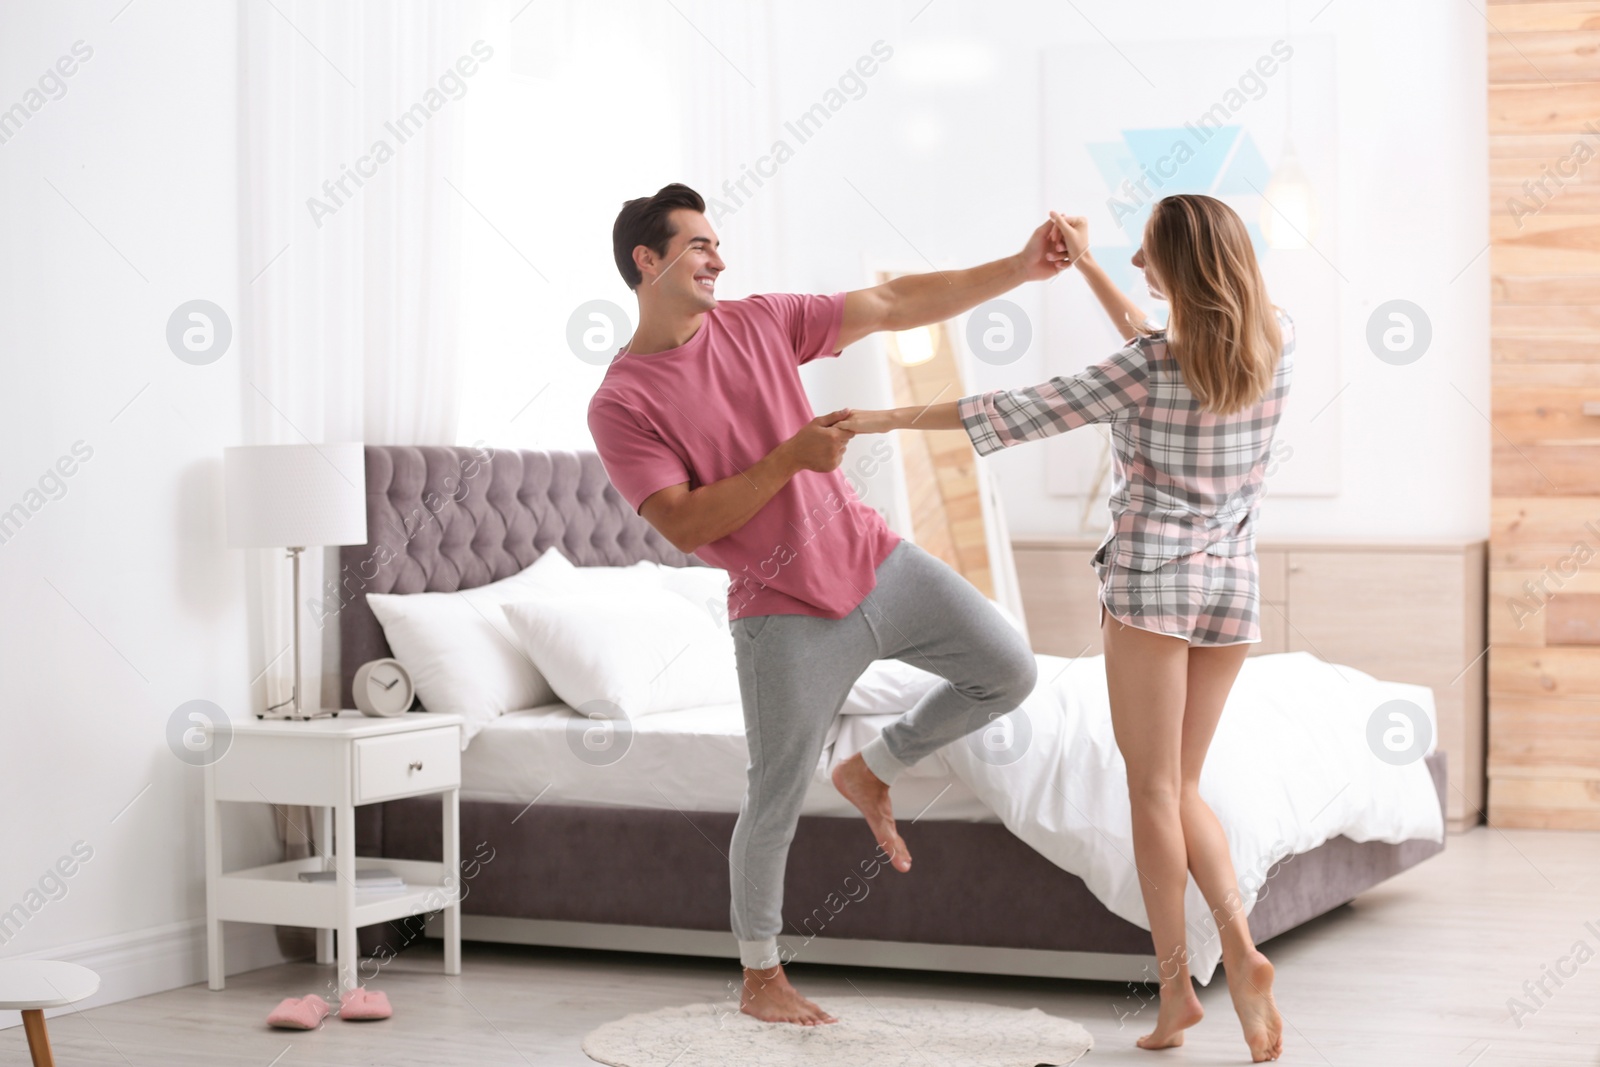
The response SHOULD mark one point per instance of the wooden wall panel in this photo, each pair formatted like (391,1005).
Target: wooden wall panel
(1544,243)
(1563,107)
(1533,17)
(1544,56)
(1544,543)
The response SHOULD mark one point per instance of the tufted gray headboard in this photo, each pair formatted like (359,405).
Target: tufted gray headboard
(441,519)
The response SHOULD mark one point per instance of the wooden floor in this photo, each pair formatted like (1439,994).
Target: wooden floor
(1415,973)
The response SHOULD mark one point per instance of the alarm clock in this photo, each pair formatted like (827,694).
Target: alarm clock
(383,688)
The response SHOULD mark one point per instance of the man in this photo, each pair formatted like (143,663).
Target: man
(704,427)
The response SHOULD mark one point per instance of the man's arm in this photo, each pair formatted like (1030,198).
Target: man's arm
(691,518)
(919,299)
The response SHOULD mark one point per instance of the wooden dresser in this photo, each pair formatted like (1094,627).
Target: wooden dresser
(1400,612)
(1544,541)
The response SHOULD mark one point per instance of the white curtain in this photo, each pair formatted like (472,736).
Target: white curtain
(350,241)
(731,99)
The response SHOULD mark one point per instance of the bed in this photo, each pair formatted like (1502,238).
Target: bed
(1019,866)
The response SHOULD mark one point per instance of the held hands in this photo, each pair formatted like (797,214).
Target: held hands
(1072,233)
(820,444)
(1045,255)
(1055,246)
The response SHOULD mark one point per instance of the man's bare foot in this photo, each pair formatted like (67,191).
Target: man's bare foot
(856,783)
(1180,1009)
(768,996)
(1250,985)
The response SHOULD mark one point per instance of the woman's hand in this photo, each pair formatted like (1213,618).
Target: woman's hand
(1074,233)
(1045,255)
(870,422)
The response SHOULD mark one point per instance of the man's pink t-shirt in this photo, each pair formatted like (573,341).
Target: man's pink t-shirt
(716,405)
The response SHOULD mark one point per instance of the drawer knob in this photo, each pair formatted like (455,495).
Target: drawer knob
(416,765)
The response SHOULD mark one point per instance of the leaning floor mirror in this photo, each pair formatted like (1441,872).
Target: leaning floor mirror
(940,495)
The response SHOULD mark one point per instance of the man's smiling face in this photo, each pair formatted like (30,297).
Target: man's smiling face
(690,268)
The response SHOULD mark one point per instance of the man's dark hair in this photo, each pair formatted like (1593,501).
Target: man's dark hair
(646,221)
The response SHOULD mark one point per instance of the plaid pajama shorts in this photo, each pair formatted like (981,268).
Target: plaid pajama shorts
(1205,599)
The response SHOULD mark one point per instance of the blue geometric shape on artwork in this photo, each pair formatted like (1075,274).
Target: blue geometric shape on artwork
(1114,162)
(1258,240)
(1246,169)
(1226,163)
(1117,165)
(1157,149)
(1133,224)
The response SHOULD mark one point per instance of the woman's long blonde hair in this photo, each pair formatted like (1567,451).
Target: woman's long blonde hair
(1222,329)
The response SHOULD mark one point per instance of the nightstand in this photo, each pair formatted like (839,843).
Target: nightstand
(333,765)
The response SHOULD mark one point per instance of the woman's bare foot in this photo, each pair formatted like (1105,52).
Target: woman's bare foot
(1250,985)
(768,996)
(1180,1010)
(856,783)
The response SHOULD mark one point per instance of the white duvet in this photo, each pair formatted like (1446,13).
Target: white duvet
(1289,768)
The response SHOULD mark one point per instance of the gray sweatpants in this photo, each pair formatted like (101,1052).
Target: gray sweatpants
(795,672)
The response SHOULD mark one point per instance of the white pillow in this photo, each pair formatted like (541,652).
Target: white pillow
(704,587)
(641,649)
(463,657)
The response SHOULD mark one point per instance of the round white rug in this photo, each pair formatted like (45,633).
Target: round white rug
(885,1032)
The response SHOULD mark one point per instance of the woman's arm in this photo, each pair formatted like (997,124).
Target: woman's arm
(935,416)
(1008,417)
(1123,311)
(931,417)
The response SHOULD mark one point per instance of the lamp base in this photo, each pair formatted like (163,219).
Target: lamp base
(287,713)
(294,707)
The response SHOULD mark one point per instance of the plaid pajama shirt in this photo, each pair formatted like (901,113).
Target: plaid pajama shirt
(1180,557)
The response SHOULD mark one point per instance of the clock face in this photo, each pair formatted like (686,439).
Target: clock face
(388,687)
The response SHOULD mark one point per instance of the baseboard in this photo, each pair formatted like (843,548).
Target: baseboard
(142,962)
(966,959)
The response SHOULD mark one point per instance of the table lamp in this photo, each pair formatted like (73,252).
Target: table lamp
(295,497)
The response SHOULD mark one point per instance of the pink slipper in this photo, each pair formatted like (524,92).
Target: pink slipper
(299,1013)
(361,1004)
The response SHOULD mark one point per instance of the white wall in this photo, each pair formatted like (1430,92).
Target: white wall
(119,600)
(944,144)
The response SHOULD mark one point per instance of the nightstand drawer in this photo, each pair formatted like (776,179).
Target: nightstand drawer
(405,764)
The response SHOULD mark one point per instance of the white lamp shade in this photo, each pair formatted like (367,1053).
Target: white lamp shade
(284,496)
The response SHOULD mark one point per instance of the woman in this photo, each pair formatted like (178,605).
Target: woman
(1192,410)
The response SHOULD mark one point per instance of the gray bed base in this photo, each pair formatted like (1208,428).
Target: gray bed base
(647,880)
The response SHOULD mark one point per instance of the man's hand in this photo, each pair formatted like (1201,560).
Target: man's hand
(691,518)
(1072,234)
(820,444)
(861,421)
(1046,254)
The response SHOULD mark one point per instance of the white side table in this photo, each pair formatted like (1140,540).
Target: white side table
(30,986)
(333,765)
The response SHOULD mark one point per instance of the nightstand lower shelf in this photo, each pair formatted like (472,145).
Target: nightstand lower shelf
(274,894)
